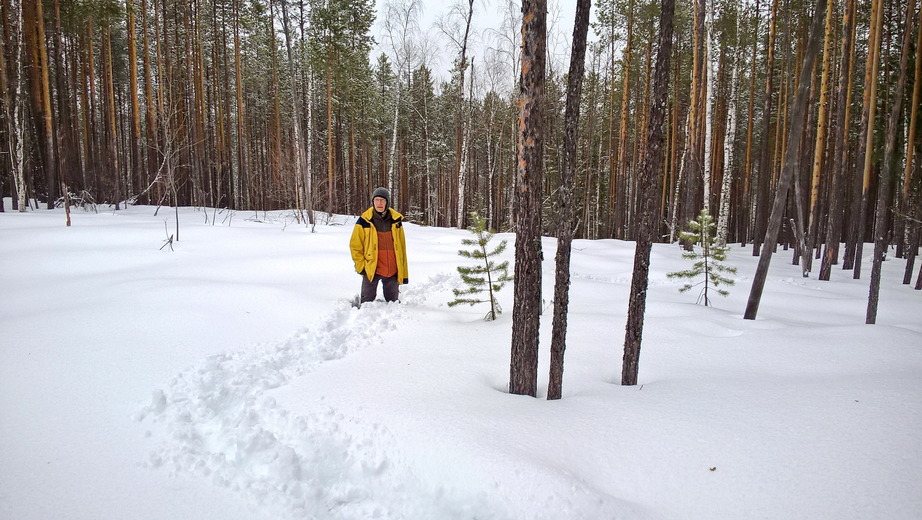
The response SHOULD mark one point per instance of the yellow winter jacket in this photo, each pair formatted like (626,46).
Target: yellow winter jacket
(364,245)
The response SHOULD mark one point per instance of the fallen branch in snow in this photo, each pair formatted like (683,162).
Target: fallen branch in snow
(169,238)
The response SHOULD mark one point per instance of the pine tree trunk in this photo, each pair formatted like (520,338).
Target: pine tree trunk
(650,169)
(526,312)
(883,188)
(112,125)
(301,168)
(819,150)
(34,28)
(620,178)
(839,152)
(860,202)
(746,218)
(790,162)
(914,109)
(762,175)
(565,207)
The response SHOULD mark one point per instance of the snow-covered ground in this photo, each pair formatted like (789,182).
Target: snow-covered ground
(231,379)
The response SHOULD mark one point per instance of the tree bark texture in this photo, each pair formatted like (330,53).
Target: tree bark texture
(652,164)
(839,151)
(881,219)
(526,311)
(565,207)
(790,163)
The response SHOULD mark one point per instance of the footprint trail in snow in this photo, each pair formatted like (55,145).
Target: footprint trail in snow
(216,421)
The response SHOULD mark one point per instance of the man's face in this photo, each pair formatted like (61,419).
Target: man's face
(380,204)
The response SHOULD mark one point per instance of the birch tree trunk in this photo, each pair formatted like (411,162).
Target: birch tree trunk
(711,78)
(11,86)
(242,169)
(723,218)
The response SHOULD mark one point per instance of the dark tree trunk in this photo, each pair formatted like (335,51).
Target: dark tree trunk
(763,173)
(526,311)
(565,208)
(883,188)
(790,162)
(650,178)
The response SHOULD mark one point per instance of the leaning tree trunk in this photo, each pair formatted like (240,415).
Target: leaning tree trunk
(883,187)
(650,169)
(526,311)
(565,207)
(790,162)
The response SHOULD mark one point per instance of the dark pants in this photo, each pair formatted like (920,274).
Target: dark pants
(370,288)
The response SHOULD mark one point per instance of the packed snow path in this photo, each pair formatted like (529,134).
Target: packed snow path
(217,421)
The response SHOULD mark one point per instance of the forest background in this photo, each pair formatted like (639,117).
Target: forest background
(264,105)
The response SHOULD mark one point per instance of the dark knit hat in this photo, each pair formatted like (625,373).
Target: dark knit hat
(383,193)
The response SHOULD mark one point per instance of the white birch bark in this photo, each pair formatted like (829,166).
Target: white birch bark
(308,152)
(14,108)
(673,219)
(401,20)
(723,218)
(392,159)
(708,105)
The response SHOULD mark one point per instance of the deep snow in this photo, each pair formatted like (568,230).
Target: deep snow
(231,379)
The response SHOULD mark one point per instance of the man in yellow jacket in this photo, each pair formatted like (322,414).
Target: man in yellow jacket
(379,248)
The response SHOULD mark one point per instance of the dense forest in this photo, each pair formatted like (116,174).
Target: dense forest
(279,104)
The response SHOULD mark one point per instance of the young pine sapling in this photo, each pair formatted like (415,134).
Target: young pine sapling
(485,279)
(708,259)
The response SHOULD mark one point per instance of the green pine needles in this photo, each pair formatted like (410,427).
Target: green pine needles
(486,278)
(707,260)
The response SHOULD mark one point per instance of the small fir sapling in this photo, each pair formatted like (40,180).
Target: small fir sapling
(486,278)
(708,259)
